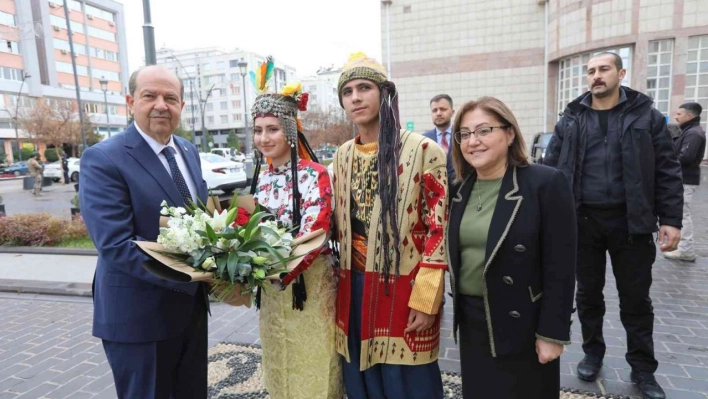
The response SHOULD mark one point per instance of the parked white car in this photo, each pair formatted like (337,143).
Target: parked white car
(222,174)
(229,153)
(54,171)
(74,166)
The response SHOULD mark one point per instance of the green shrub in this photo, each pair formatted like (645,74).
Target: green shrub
(75,201)
(50,154)
(39,229)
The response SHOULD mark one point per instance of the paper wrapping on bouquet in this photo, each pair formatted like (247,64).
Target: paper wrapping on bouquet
(172,269)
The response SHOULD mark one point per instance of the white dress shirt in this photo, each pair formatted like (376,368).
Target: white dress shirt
(181,164)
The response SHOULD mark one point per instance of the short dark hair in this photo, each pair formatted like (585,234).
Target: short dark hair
(615,56)
(441,97)
(133,82)
(694,109)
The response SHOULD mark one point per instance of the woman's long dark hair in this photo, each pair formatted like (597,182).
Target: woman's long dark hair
(388,160)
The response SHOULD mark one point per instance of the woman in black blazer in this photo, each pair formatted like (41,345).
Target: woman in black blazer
(512,245)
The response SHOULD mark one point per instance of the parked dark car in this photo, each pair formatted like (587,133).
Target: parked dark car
(17,169)
(538,146)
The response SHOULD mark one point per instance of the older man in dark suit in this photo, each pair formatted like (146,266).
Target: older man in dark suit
(154,332)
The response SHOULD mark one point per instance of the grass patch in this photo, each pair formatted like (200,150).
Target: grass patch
(83,242)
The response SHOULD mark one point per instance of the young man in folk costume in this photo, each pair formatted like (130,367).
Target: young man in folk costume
(297,326)
(390,190)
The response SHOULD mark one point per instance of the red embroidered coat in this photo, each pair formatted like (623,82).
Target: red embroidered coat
(422,210)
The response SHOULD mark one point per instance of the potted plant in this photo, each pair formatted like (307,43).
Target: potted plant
(75,207)
(2,207)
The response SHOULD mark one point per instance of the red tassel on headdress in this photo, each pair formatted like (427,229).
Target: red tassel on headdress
(302,103)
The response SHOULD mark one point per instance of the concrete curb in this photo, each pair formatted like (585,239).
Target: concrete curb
(45,287)
(49,251)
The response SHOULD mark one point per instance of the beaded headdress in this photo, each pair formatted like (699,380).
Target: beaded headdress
(284,106)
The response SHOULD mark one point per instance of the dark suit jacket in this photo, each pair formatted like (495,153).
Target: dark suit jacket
(123,183)
(529,274)
(433,135)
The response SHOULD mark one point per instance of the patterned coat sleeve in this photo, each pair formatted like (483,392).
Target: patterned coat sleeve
(429,285)
(316,214)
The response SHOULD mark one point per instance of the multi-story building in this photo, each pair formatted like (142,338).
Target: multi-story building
(532,53)
(35,58)
(322,89)
(213,81)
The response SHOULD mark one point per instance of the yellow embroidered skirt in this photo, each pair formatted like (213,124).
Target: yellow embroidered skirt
(300,360)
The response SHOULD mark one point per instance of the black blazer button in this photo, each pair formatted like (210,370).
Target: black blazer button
(508,280)
(520,248)
(514,314)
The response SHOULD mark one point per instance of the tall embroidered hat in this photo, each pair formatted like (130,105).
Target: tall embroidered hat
(359,66)
(284,106)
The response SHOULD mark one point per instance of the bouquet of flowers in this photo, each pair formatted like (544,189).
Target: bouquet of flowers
(235,249)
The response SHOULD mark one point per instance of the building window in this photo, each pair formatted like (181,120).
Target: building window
(97,12)
(659,73)
(60,44)
(233,64)
(76,27)
(224,119)
(10,73)
(209,107)
(103,54)
(7,19)
(219,92)
(206,67)
(101,34)
(210,119)
(697,74)
(220,65)
(110,75)
(91,108)
(236,117)
(235,89)
(10,47)
(236,103)
(224,105)
(67,68)
(572,74)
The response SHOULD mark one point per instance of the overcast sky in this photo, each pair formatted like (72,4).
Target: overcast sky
(305,34)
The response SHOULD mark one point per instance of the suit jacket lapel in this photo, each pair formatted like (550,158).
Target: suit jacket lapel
(140,150)
(508,205)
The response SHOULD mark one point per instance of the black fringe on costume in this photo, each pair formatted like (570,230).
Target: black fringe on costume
(388,159)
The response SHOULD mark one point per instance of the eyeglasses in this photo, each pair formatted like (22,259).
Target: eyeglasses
(480,134)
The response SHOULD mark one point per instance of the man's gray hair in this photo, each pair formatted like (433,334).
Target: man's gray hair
(133,82)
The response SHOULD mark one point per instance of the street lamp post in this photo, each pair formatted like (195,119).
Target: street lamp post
(204,130)
(104,86)
(76,76)
(148,35)
(191,94)
(243,67)
(25,75)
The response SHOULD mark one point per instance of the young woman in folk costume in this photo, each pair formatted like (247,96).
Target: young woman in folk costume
(297,325)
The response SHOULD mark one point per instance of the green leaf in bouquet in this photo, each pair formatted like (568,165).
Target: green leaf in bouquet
(253,223)
(221,263)
(202,233)
(268,230)
(211,234)
(231,216)
(232,264)
(201,257)
(234,202)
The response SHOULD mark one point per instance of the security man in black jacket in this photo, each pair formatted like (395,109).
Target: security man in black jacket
(617,153)
(690,146)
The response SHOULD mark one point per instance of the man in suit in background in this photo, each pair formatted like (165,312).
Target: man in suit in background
(442,112)
(154,331)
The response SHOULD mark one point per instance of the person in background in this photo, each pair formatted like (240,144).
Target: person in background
(35,170)
(442,111)
(690,146)
(614,148)
(65,167)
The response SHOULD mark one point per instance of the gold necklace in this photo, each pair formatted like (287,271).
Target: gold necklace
(479,194)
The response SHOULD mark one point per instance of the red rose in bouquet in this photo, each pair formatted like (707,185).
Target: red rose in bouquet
(241,218)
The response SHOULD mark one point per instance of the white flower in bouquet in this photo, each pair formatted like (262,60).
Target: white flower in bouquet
(218,221)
